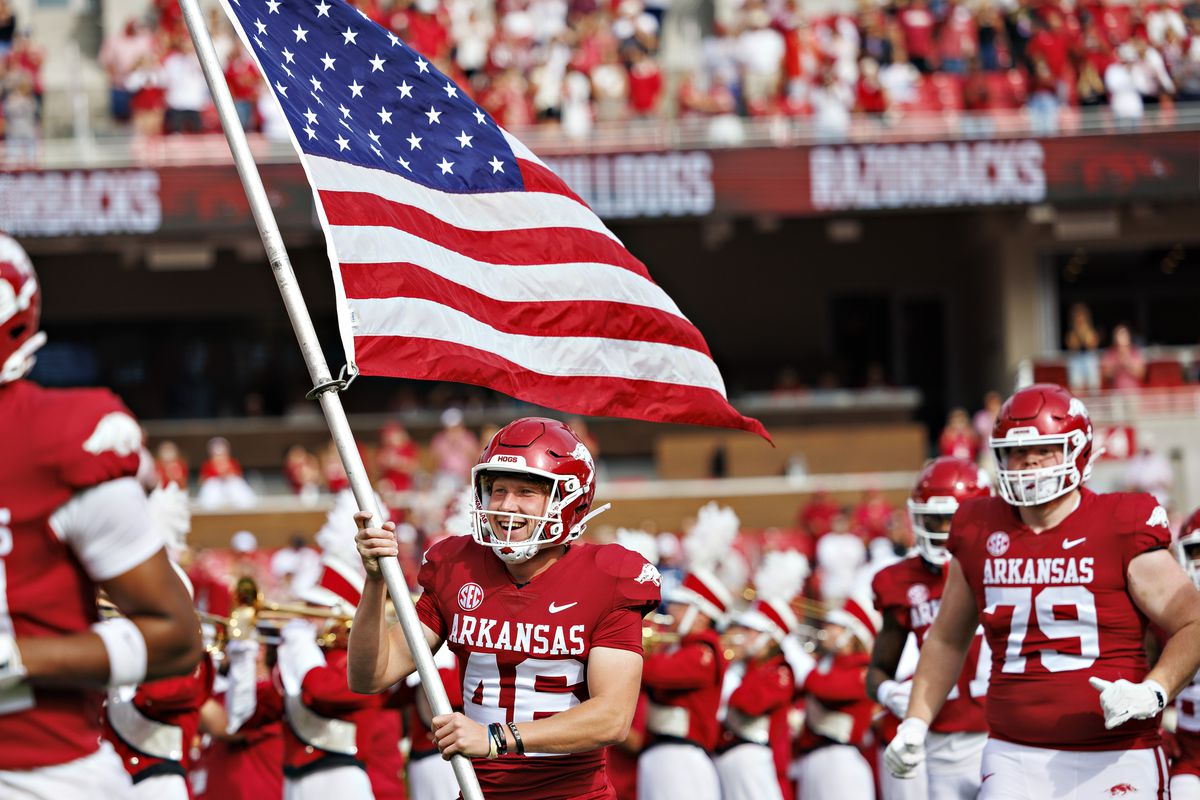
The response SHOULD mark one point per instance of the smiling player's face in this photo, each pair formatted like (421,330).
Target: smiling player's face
(514,495)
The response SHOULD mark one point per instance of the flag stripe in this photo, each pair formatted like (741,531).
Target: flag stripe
(537,246)
(417,357)
(577,356)
(539,178)
(572,317)
(480,211)
(362,244)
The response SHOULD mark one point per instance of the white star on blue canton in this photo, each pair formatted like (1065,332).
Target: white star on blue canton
(262,29)
(322,9)
(393,38)
(376,151)
(450,89)
(403,163)
(463,139)
(447,167)
(497,165)
(272,6)
(385,116)
(355,89)
(373,136)
(301,34)
(405,89)
(343,143)
(348,36)
(289,56)
(345,111)
(434,115)
(414,141)
(311,133)
(258,42)
(422,65)
(479,116)
(279,87)
(328,62)
(310,117)
(377,63)
(316,84)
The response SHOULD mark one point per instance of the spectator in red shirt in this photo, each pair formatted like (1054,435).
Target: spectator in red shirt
(817,517)
(645,81)
(301,472)
(957,40)
(170,466)
(917,26)
(244,84)
(869,96)
(958,438)
(397,458)
(872,518)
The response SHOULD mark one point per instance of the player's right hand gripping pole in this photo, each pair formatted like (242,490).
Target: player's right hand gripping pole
(907,750)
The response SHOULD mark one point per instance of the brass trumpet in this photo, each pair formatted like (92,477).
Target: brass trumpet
(250,609)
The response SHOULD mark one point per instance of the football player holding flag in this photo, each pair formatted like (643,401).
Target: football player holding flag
(1065,582)
(1185,766)
(907,595)
(547,631)
(73,518)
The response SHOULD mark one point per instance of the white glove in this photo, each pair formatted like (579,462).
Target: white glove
(894,696)
(170,515)
(1122,701)
(799,659)
(12,671)
(906,752)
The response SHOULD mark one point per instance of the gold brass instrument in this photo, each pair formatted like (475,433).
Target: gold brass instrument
(250,609)
(656,630)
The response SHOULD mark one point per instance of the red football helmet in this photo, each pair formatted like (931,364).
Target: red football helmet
(1187,549)
(20,308)
(1042,414)
(539,448)
(942,485)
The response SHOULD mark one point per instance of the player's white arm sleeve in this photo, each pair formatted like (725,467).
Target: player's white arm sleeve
(108,528)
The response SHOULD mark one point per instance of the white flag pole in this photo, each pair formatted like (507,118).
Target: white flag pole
(325,387)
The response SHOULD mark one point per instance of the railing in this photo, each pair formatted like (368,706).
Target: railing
(636,135)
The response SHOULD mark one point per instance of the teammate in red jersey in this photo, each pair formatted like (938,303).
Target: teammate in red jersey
(547,631)
(1064,582)
(1185,768)
(72,518)
(907,595)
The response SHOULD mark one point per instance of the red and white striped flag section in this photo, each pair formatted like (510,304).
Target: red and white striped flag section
(457,254)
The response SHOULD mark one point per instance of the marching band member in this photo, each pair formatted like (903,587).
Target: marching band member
(684,679)
(152,726)
(837,710)
(757,708)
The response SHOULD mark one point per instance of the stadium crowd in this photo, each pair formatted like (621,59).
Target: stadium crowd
(573,64)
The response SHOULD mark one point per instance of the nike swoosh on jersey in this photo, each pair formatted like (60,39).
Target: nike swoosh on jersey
(1069,543)
(554,609)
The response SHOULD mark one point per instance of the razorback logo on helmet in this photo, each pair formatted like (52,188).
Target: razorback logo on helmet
(14,300)
(1158,517)
(116,432)
(583,454)
(650,574)
(997,543)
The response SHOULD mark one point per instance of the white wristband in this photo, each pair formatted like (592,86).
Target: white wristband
(884,692)
(126,649)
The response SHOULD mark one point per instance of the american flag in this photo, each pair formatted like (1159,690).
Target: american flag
(457,254)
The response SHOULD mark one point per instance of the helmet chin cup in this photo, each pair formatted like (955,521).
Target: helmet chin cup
(1035,487)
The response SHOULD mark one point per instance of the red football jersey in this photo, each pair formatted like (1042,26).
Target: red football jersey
(56,443)
(173,702)
(250,768)
(1187,730)
(1056,610)
(688,676)
(523,650)
(910,591)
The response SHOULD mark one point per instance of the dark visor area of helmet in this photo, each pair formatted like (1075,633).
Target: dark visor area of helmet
(934,523)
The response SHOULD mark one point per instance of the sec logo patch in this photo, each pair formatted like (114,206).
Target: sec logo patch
(997,543)
(918,593)
(470,596)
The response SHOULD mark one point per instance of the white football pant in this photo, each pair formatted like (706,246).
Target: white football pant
(431,778)
(748,773)
(99,776)
(339,783)
(1016,772)
(674,771)
(1185,787)
(834,772)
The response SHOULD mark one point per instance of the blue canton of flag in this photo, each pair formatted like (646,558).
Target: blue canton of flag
(354,92)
